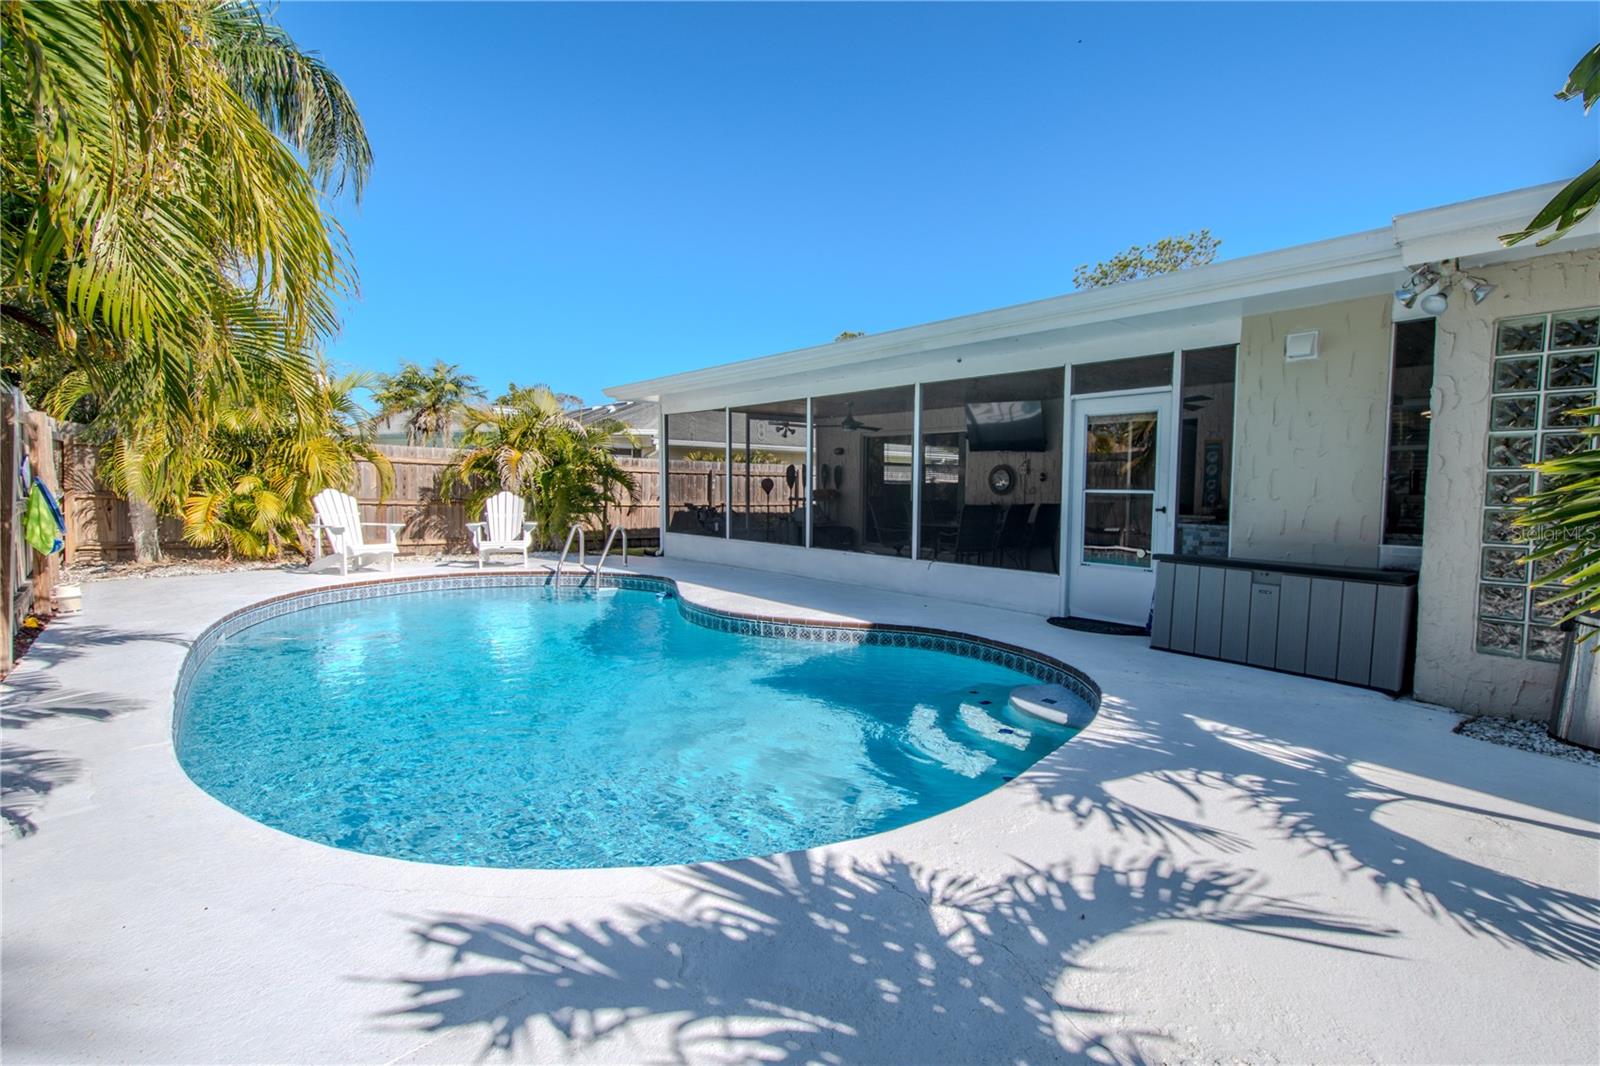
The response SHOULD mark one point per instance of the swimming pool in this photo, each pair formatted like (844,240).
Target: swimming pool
(524,726)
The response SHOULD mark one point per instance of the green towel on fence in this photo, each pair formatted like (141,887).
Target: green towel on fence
(41,522)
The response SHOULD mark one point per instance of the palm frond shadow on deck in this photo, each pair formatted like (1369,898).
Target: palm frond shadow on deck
(797,959)
(802,958)
(28,774)
(1334,804)
(65,642)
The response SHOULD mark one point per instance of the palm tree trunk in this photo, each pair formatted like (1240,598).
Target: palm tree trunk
(146,531)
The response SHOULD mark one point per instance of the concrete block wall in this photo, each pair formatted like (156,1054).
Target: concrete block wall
(1449,669)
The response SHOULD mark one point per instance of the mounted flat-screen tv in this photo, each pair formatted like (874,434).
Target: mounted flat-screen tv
(1007,426)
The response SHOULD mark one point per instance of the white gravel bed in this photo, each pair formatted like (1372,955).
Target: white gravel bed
(1528,736)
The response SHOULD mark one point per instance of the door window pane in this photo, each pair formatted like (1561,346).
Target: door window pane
(1205,456)
(861,471)
(991,470)
(697,472)
(768,482)
(1410,417)
(1116,528)
(1120,452)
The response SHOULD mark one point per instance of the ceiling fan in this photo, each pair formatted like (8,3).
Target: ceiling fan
(788,427)
(849,422)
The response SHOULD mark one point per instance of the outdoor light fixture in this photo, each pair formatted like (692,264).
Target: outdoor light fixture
(1422,279)
(1428,276)
(1480,289)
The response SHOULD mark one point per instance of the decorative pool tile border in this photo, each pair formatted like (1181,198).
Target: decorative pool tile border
(1037,665)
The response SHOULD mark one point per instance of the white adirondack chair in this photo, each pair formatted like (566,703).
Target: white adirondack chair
(503,530)
(339,516)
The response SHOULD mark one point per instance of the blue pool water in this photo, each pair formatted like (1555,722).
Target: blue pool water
(521,728)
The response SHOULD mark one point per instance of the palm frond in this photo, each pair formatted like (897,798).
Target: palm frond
(1562,523)
(1577,200)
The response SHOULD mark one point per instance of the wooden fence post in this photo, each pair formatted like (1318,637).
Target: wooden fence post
(42,449)
(10,532)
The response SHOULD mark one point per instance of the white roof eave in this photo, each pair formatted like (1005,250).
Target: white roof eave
(1221,288)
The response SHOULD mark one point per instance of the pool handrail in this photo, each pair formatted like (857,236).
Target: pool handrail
(601,565)
(583,554)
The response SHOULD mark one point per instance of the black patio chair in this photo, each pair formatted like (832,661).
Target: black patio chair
(1045,532)
(1013,543)
(892,524)
(976,536)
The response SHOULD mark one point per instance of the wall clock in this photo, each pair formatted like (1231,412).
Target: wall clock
(1002,479)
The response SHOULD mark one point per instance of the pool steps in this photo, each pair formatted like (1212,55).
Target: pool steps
(1053,703)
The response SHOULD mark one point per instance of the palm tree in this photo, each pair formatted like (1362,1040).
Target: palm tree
(250,489)
(152,213)
(162,241)
(537,449)
(431,399)
(516,395)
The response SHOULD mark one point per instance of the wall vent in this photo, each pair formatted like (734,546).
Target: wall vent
(1300,346)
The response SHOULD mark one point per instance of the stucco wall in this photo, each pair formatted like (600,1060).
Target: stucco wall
(1310,436)
(1449,670)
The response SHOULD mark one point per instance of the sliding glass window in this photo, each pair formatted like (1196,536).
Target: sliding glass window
(861,480)
(769,472)
(991,470)
(697,472)
(1205,450)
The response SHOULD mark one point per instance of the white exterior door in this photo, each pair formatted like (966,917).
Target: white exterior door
(1121,505)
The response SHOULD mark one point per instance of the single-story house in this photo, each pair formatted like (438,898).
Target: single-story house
(1365,401)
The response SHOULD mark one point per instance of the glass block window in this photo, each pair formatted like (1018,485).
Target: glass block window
(1544,372)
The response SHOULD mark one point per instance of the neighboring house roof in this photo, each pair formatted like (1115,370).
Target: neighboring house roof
(1361,264)
(639,421)
(639,416)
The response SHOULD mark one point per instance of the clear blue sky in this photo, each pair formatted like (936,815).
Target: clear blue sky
(587,195)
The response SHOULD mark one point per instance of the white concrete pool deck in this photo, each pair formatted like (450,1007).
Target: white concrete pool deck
(1229,865)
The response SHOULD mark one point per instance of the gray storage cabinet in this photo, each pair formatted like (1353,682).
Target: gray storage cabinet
(1337,622)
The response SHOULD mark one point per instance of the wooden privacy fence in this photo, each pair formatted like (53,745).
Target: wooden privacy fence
(98,529)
